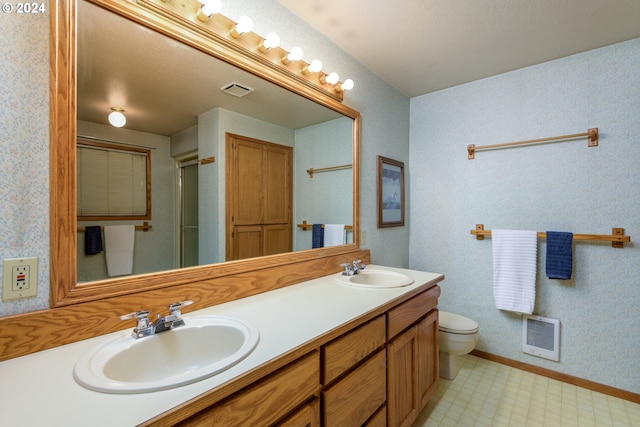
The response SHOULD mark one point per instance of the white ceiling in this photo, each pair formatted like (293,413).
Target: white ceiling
(420,46)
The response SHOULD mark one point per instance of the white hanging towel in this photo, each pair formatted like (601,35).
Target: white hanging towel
(334,234)
(514,269)
(118,245)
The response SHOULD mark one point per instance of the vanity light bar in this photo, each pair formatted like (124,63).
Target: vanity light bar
(208,16)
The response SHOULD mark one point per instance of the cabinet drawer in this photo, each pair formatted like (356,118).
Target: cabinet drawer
(268,400)
(344,352)
(353,399)
(409,312)
(307,416)
(379,419)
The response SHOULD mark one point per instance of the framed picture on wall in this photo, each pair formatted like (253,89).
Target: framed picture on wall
(390,192)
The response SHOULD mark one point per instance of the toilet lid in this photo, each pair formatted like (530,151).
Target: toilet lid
(456,324)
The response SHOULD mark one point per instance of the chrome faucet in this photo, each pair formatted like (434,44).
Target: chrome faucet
(352,268)
(145,328)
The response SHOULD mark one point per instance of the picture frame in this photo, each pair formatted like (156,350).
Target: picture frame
(390,192)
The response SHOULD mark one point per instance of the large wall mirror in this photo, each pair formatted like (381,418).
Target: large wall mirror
(167,74)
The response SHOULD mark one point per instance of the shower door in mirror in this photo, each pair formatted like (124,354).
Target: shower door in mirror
(188,191)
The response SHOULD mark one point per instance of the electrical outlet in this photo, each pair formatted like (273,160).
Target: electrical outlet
(363,237)
(19,278)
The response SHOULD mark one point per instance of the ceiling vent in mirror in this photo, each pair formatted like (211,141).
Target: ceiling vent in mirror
(236,89)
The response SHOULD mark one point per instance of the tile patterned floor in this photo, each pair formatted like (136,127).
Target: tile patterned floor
(490,394)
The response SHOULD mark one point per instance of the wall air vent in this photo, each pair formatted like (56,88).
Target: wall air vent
(541,336)
(236,89)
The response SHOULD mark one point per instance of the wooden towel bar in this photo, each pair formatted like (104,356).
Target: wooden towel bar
(306,226)
(592,134)
(144,227)
(617,237)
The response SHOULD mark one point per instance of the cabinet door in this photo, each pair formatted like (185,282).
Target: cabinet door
(428,368)
(249,178)
(402,382)
(277,239)
(278,185)
(248,241)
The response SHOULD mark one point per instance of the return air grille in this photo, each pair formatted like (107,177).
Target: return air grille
(236,89)
(541,336)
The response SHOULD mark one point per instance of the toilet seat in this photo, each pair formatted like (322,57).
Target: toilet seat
(455,324)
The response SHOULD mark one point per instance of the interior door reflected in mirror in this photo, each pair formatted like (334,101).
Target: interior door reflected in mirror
(175,103)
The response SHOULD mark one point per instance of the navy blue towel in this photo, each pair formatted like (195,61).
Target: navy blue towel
(559,255)
(92,240)
(317,238)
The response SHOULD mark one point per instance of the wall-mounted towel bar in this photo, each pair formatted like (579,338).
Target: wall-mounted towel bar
(311,171)
(592,134)
(306,226)
(617,237)
(144,227)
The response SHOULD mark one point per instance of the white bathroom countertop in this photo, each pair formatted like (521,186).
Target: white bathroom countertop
(39,389)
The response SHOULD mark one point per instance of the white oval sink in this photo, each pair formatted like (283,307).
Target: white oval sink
(376,279)
(203,347)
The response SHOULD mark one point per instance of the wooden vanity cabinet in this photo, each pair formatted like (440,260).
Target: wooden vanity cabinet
(269,400)
(412,357)
(354,375)
(380,373)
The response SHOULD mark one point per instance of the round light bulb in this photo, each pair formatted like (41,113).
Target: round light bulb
(315,66)
(296,54)
(244,25)
(208,8)
(211,7)
(116,118)
(333,78)
(272,40)
(347,84)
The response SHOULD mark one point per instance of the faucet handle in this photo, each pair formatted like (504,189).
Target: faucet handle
(142,317)
(347,268)
(176,306)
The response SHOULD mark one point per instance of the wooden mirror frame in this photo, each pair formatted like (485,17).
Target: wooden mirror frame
(63,229)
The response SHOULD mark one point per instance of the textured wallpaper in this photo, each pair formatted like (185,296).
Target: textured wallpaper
(561,186)
(24,148)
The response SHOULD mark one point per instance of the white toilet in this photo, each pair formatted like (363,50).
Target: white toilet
(457,335)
